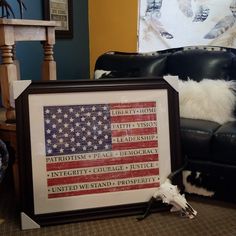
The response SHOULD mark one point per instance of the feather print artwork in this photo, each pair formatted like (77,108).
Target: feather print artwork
(152,18)
(153,6)
(166,35)
(221,27)
(177,23)
(227,41)
(186,7)
(201,14)
(158,27)
(233,7)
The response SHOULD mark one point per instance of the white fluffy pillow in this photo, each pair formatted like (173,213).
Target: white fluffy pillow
(208,99)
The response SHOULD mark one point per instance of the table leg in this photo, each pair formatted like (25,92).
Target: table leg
(8,74)
(49,65)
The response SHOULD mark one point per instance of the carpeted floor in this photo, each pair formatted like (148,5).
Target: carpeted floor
(214,218)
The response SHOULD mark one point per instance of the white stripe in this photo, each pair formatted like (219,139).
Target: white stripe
(133,111)
(137,138)
(102,155)
(134,125)
(102,169)
(103,184)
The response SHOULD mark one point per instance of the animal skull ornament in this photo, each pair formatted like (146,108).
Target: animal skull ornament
(170,194)
(7,9)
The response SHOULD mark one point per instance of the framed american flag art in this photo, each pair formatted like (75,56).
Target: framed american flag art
(93,149)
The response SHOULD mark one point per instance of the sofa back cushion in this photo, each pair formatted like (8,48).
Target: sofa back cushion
(233,71)
(119,64)
(198,64)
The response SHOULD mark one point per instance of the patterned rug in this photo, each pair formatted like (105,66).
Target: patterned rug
(214,218)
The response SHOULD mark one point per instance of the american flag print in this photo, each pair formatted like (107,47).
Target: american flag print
(99,148)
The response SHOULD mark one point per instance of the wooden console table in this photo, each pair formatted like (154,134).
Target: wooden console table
(11,31)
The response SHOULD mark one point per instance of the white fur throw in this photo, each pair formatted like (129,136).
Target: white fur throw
(208,99)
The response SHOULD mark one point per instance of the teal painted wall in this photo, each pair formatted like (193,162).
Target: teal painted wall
(71,55)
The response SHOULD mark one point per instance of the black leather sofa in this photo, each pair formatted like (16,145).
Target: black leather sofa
(209,147)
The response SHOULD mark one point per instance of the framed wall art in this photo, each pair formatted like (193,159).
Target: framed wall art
(167,24)
(93,149)
(62,11)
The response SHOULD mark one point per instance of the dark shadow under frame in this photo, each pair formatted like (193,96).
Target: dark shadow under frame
(24,148)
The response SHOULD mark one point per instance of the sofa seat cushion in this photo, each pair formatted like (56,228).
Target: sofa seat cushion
(196,138)
(224,144)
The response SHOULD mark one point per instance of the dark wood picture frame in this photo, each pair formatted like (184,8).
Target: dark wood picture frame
(27,138)
(60,32)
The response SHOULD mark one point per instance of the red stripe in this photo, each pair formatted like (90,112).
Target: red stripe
(104,190)
(133,118)
(101,162)
(138,131)
(134,145)
(132,105)
(102,177)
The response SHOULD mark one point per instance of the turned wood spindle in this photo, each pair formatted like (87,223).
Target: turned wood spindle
(7,54)
(49,65)
(48,52)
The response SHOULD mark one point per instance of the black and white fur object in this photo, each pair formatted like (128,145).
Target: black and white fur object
(209,185)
